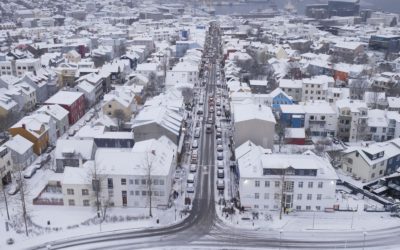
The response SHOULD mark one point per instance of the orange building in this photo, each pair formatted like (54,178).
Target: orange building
(33,130)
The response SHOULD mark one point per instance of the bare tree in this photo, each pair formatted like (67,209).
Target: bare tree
(102,201)
(149,172)
(187,94)
(281,131)
(358,88)
(5,199)
(6,121)
(24,192)
(119,114)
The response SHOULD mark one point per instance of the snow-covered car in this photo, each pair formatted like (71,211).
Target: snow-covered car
(14,188)
(193,167)
(195,144)
(190,188)
(220,184)
(71,132)
(218,113)
(219,141)
(220,156)
(10,241)
(220,164)
(37,165)
(30,171)
(220,173)
(220,148)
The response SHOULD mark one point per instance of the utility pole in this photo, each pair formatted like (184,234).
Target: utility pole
(22,192)
(6,202)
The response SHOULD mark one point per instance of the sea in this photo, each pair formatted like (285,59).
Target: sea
(242,8)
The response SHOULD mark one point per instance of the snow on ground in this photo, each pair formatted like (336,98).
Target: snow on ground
(69,221)
(302,221)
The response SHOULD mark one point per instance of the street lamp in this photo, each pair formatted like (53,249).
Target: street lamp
(365,235)
(280,238)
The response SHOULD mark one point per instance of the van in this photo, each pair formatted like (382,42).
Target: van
(190,178)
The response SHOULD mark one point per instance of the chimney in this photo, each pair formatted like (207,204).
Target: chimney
(48,107)
(153,152)
(23,126)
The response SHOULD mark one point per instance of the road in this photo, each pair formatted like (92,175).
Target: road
(202,229)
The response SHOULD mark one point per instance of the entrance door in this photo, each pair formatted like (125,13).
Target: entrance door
(124,199)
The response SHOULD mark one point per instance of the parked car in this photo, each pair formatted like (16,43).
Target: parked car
(219,141)
(30,171)
(193,167)
(220,148)
(220,156)
(220,184)
(220,173)
(10,241)
(218,113)
(190,178)
(220,164)
(38,165)
(195,144)
(14,188)
(197,133)
(190,187)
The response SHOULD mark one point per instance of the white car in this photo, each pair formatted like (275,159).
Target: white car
(193,167)
(13,189)
(190,188)
(30,171)
(179,173)
(220,164)
(219,141)
(220,156)
(220,148)
(195,144)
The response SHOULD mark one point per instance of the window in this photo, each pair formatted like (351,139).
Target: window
(143,193)
(298,208)
(320,184)
(155,193)
(299,196)
(70,191)
(255,206)
(276,196)
(110,183)
(131,193)
(86,203)
(319,197)
(109,105)
(85,192)
(162,193)
(123,181)
(161,182)
(277,183)
(308,208)
(266,183)
(155,181)
(130,182)
(143,181)
(71,202)
(380,172)
(266,196)
(266,206)
(373,175)
(310,184)
(256,196)
(300,184)
(318,208)
(137,181)
(309,197)
(257,183)
(137,193)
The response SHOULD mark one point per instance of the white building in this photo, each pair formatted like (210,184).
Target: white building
(184,74)
(320,118)
(316,88)
(27,65)
(126,173)
(292,182)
